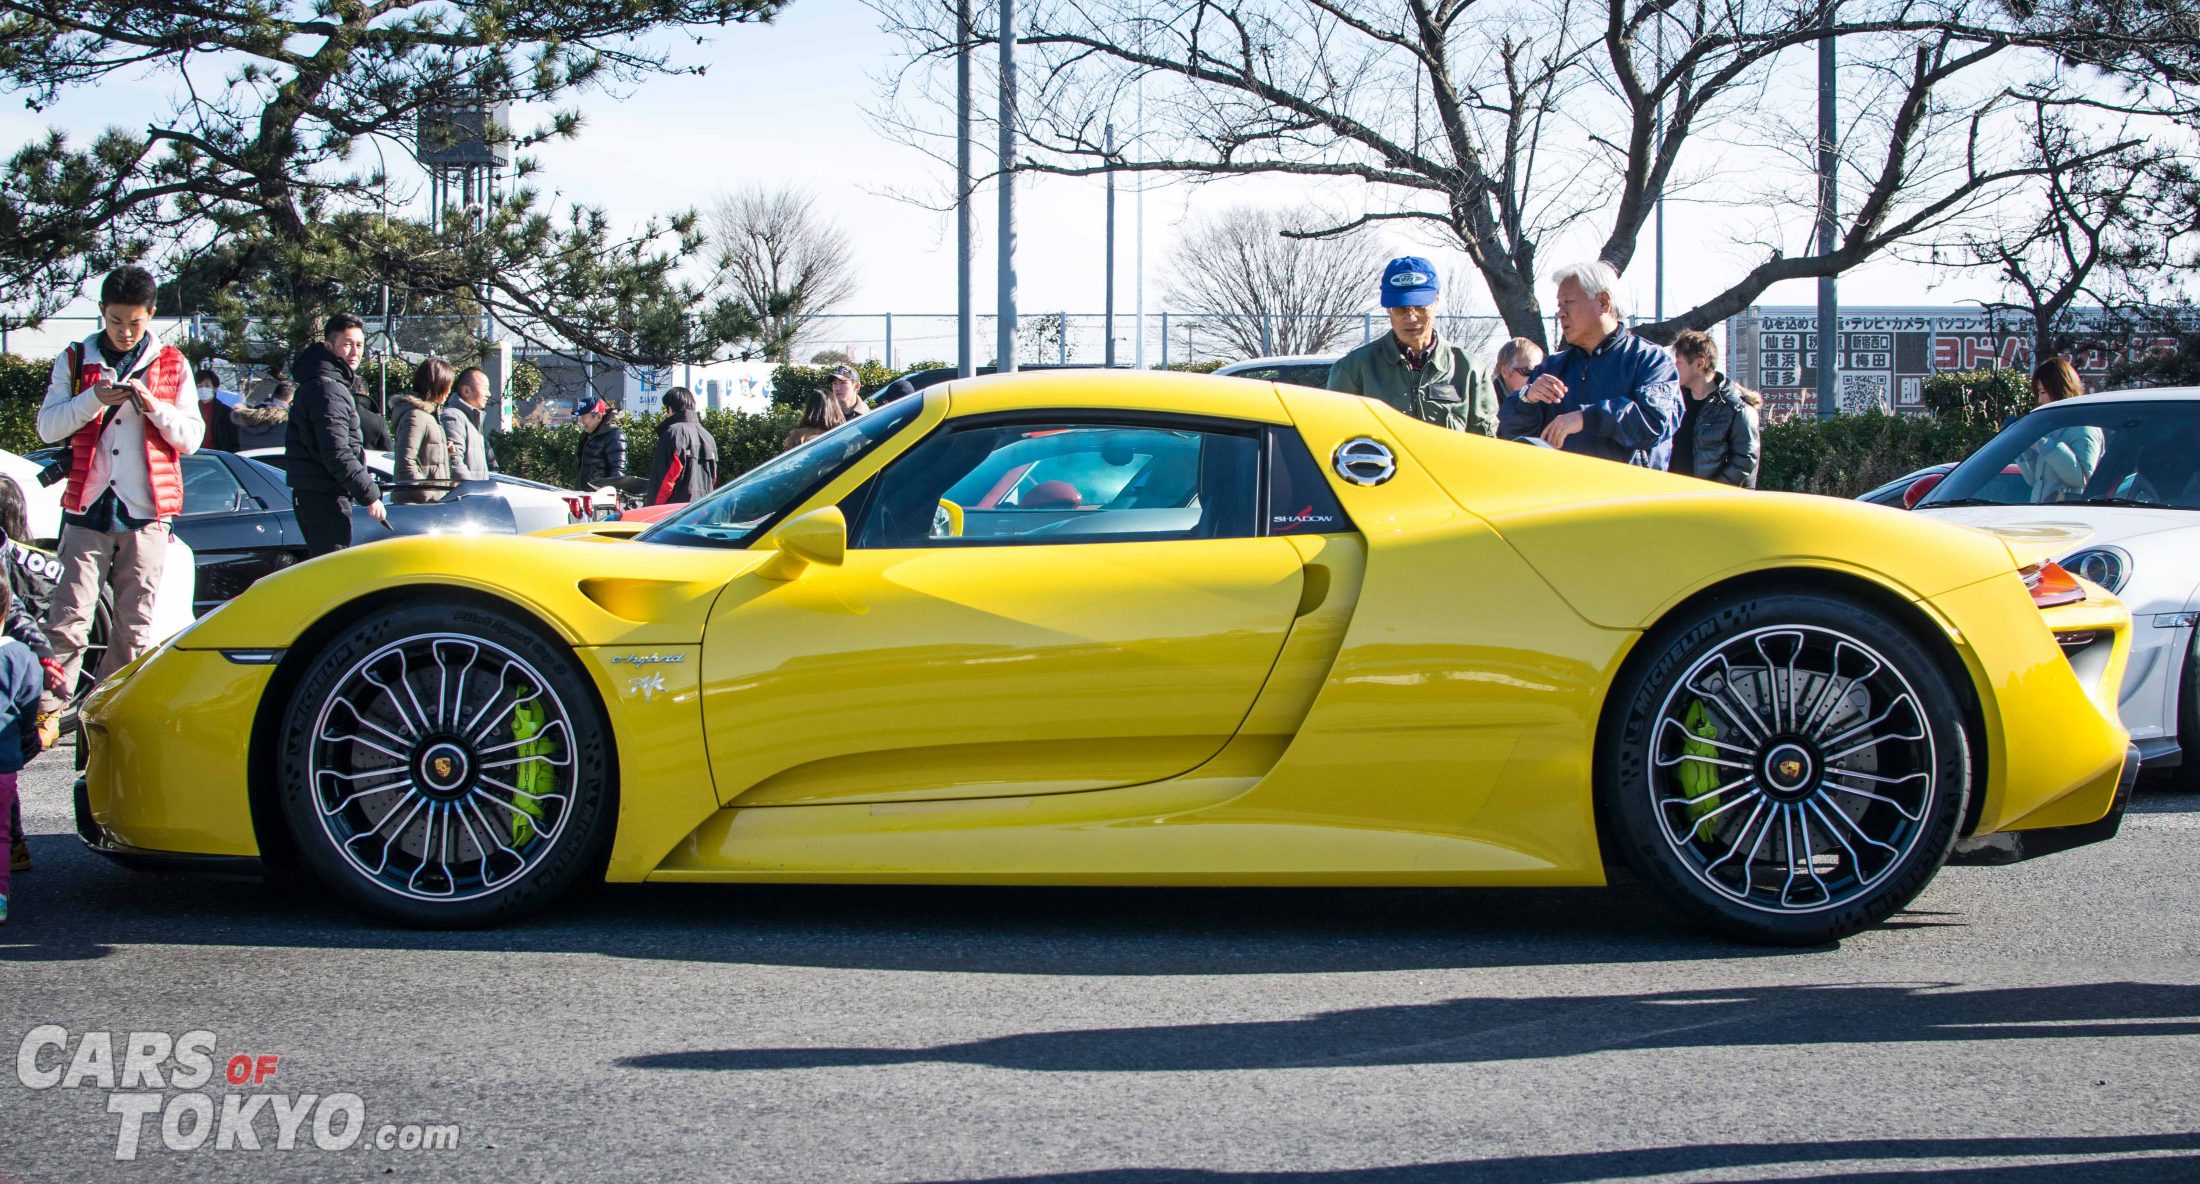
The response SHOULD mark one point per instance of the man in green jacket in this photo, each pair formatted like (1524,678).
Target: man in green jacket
(1409,368)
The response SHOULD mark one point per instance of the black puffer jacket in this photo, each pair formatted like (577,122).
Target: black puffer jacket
(32,574)
(1727,443)
(603,454)
(322,439)
(686,464)
(374,428)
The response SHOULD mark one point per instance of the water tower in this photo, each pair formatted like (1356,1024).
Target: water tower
(465,143)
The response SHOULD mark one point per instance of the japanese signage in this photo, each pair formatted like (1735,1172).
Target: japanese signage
(1885,354)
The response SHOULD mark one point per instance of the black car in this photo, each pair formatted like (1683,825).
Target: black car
(237,520)
(917,380)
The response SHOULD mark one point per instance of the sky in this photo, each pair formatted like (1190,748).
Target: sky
(788,104)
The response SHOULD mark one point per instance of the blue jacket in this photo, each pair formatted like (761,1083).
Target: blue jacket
(21,681)
(1627,391)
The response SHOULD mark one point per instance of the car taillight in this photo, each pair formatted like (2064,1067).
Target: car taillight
(580,506)
(2050,585)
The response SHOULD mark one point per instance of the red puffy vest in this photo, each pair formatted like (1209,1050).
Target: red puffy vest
(165,378)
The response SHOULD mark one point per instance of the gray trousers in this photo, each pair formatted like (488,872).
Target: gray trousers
(129,559)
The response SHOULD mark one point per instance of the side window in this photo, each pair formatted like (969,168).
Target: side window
(1061,482)
(1300,500)
(208,486)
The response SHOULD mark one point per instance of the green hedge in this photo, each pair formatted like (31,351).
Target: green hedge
(22,389)
(1978,396)
(1849,454)
(552,454)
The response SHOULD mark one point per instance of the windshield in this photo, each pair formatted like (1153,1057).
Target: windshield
(739,510)
(2086,452)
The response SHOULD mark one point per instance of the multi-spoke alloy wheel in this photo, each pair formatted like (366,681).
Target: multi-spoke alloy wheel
(1795,764)
(444,768)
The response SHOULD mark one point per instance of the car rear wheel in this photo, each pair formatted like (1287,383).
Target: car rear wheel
(1789,769)
(446,767)
(2184,776)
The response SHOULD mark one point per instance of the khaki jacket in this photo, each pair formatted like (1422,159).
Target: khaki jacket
(423,452)
(1448,392)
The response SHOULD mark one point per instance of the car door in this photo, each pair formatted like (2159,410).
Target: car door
(1028,604)
(236,536)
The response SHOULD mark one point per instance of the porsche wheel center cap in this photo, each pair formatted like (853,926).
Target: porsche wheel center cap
(443,767)
(1788,768)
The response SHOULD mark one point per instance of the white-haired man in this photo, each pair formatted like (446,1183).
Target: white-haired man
(1608,392)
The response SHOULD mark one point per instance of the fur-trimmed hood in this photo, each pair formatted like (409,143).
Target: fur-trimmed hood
(263,416)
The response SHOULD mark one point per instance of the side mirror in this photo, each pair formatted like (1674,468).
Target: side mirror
(947,521)
(820,536)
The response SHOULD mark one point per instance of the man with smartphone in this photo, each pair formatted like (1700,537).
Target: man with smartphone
(124,403)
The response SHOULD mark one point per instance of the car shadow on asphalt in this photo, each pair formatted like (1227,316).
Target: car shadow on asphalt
(2148,1163)
(1484,1029)
(77,906)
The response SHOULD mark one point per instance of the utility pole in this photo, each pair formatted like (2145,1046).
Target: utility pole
(1005,331)
(966,256)
(1107,330)
(1138,250)
(1829,304)
(1657,146)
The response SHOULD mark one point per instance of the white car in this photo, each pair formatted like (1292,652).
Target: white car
(41,503)
(1304,370)
(535,506)
(2116,477)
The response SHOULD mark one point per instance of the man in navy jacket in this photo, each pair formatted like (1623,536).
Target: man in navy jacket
(1608,393)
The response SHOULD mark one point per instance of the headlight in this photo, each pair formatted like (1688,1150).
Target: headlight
(2109,567)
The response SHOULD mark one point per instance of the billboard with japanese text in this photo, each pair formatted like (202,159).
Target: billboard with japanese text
(1885,354)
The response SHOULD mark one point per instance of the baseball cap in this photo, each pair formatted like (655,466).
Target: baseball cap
(588,407)
(1409,281)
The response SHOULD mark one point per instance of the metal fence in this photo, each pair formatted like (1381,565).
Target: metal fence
(899,340)
(1065,338)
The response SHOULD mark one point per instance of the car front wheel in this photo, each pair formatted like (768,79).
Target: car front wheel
(446,767)
(1788,769)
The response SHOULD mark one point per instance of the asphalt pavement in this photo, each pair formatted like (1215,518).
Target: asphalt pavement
(2029,1023)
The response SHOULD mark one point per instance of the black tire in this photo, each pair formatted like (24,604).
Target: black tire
(95,643)
(513,764)
(1709,753)
(2184,776)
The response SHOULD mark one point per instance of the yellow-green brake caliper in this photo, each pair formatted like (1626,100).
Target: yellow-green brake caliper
(537,777)
(1700,777)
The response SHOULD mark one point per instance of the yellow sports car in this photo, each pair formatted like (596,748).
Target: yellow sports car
(1094,628)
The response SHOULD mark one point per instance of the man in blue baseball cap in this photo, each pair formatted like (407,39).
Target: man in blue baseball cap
(1409,368)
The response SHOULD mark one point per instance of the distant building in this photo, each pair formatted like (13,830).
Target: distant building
(1887,353)
(718,386)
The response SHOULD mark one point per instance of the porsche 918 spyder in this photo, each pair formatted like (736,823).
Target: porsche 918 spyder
(1143,629)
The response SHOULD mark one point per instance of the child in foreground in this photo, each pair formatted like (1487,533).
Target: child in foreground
(21,681)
